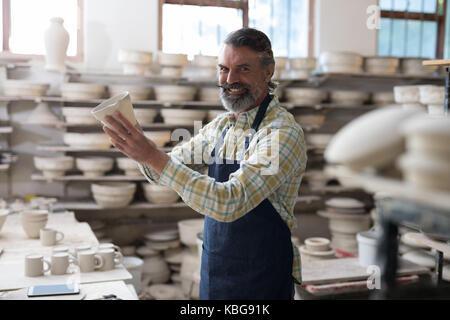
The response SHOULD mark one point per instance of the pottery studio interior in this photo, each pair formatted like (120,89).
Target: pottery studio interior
(118,119)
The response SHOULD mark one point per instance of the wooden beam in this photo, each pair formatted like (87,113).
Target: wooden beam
(160,24)
(211,3)
(441,33)
(411,15)
(6,24)
(436,63)
(312,5)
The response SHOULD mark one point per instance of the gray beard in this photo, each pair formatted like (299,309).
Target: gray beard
(240,103)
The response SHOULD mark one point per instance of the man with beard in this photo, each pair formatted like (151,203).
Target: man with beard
(246,186)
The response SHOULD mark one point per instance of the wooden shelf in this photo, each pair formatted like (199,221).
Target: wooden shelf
(80,177)
(436,63)
(4,167)
(64,148)
(6,129)
(377,76)
(158,125)
(420,238)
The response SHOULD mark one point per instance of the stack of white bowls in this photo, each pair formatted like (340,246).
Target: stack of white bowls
(78,115)
(182,117)
(87,141)
(190,275)
(280,67)
(212,114)
(427,161)
(53,167)
(135,62)
(301,68)
(15,88)
(113,194)
(415,67)
(316,178)
(312,119)
(349,98)
(408,96)
(94,166)
(316,248)
(43,115)
(129,166)
(159,194)
(172,64)
(145,116)
(433,97)
(33,221)
(188,230)
(136,92)
(163,241)
(156,269)
(383,98)
(381,65)
(160,138)
(347,217)
(175,93)
(305,96)
(340,62)
(204,66)
(209,94)
(75,90)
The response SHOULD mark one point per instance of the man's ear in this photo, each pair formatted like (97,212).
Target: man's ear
(268,72)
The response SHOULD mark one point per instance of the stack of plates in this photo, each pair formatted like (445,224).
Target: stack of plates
(414,66)
(381,65)
(301,68)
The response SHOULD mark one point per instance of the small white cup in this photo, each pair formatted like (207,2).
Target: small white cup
(61,262)
(89,261)
(120,102)
(111,259)
(34,265)
(50,237)
(82,247)
(102,246)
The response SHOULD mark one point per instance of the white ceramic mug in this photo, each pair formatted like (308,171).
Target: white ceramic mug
(120,102)
(102,246)
(50,237)
(60,263)
(89,261)
(110,258)
(82,247)
(34,265)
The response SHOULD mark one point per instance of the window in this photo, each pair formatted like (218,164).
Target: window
(412,28)
(25,21)
(206,23)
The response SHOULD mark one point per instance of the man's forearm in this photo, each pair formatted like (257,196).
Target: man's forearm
(157,161)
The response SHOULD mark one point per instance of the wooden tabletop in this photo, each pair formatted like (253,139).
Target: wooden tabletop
(436,63)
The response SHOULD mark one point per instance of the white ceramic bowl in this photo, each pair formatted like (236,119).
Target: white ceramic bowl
(134,68)
(340,58)
(432,94)
(209,94)
(75,90)
(172,59)
(317,244)
(134,56)
(171,71)
(24,88)
(53,167)
(347,97)
(3,215)
(160,138)
(385,97)
(338,68)
(189,229)
(182,116)
(145,116)
(94,166)
(376,62)
(136,92)
(371,140)
(129,166)
(87,141)
(78,115)
(112,201)
(305,95)
(175,93)
(205,61)
(302,63)
(114,188)
(159,194)
(414,66)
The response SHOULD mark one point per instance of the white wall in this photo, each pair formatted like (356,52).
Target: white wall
(340,25)
(110,25)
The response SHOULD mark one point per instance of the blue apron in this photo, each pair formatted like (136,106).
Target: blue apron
(251,257)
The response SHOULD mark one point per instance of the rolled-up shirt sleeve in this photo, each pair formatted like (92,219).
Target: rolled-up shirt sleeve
(279,154)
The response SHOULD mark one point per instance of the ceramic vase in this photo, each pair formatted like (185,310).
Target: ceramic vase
(56,40)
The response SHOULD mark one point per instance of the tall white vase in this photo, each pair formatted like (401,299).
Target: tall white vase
(56,40)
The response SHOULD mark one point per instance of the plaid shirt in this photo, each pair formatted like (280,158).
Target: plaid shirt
(186,171)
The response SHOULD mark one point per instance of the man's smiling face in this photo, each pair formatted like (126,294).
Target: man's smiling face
(242,77)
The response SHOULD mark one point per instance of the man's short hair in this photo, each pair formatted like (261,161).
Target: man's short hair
(257,41)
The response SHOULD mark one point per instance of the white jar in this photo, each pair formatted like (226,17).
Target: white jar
(56,40)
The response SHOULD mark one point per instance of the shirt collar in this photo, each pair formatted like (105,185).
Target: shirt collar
(245,119)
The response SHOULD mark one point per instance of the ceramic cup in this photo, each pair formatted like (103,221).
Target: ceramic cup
(61,249)
(111,259)
(102,246)
(89,261)
(34,265)
(50,237)
(82,247)
(120,102)
(61,262)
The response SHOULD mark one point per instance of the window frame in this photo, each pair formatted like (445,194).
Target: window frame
(79,57)
(420,16)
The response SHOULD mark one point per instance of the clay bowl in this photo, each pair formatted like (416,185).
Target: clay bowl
(129,166)
(189,229)
(134,56)
(136,92)
(173,59)
(159,194)
(32,222)
(109,201)
(160,138)
(3,215)
(78,115)
(74,90)
(94,166)
(182,116)
(205,61)
(305,96)
(114,188)
(317,244)
(209,94)
(53,167)
(24,88)
(145,116)
(171,71)
(302,63)
(175,93)
(87,141)
(340,58)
